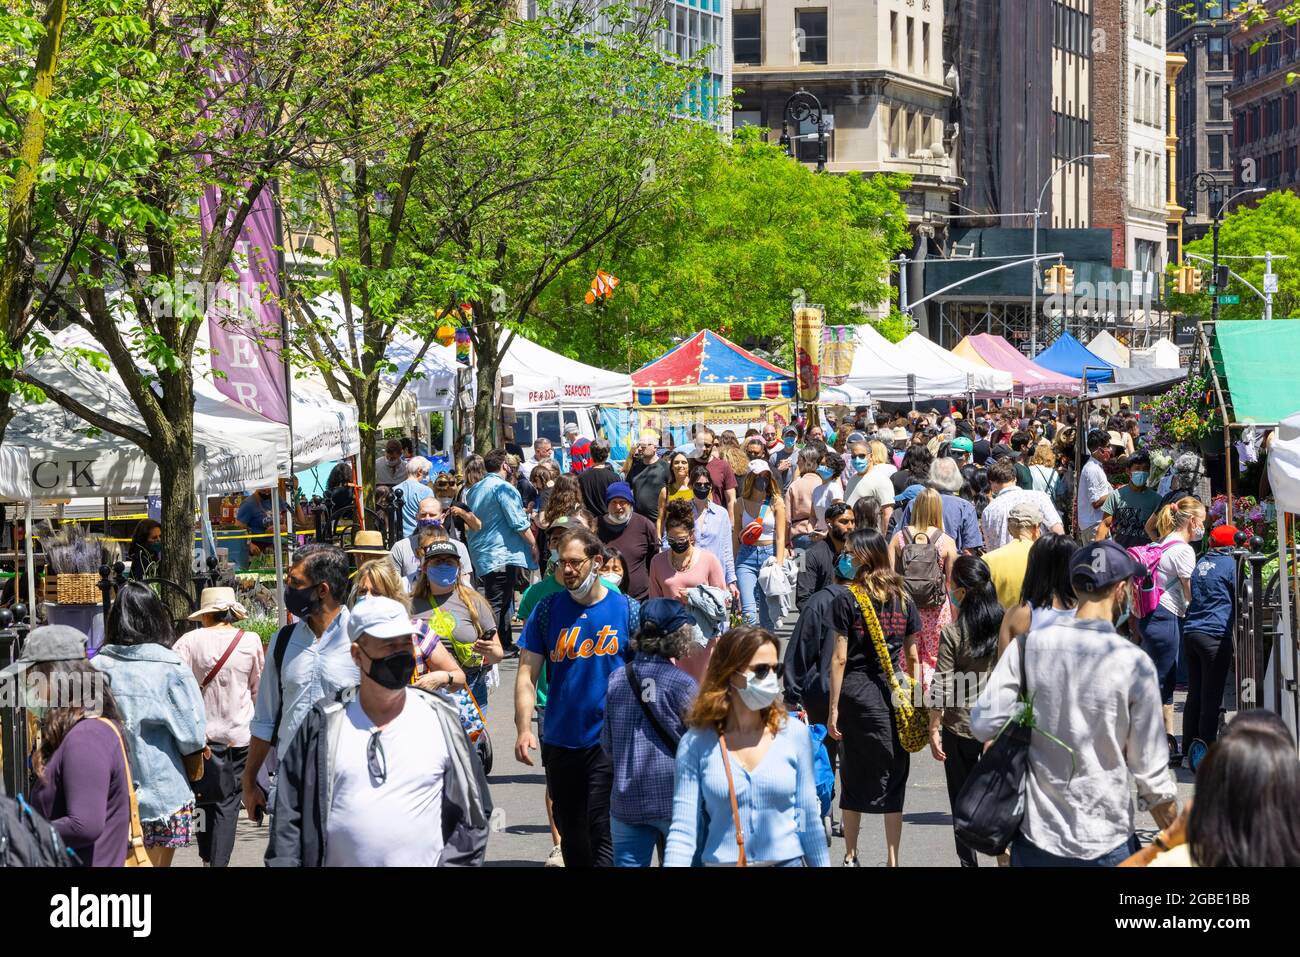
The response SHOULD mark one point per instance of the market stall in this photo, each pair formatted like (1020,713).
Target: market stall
(892,374)
(1105,346)
(1284,480)
(1162,354)
(710,380)
(1031,380)
(1069,357)
(983,380)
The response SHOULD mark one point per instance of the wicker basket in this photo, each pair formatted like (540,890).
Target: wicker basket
(81,588)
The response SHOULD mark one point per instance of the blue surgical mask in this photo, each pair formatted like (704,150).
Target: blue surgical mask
(860,463)
(443,576)
(844,566)
(788,442)
(1138,478)
(825,472)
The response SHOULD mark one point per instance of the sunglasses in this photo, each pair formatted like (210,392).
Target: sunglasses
(703,487)
(376,763)
(761,672)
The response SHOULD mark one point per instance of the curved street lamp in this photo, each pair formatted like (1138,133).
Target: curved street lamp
(1206,183)
(804,106)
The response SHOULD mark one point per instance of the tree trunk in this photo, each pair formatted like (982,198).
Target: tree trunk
(487,361)
(176,481)
(6,413)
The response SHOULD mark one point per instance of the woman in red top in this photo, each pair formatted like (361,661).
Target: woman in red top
(683,566)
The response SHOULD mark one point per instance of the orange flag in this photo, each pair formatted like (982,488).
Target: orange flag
(602,287)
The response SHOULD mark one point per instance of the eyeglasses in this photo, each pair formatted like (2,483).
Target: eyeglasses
(703,488)
(761,672)
(769,435)
(566,563)
(376,763)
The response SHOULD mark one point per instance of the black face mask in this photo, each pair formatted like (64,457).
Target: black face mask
(392,671)
(702,491)
(679,546)
(300,602)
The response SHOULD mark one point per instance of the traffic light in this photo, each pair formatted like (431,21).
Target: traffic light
(1049,281)
(1180,280)
(1058,280)
(1067,278)
(1222,276)
(1196,280)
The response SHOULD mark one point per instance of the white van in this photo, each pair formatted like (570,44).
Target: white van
(532,424)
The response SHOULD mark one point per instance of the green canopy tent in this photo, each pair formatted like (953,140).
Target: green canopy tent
(1253,362)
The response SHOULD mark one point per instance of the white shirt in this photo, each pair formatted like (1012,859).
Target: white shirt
(527,465)
(994,521)
(823,497)
(397,823)
(1098,693)
(875,483)
(1093,485)
(1178,562)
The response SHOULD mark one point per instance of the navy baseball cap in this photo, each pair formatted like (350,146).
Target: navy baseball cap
(1099,565)
(666,614)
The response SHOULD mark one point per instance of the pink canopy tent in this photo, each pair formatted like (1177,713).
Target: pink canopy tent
(1031,379)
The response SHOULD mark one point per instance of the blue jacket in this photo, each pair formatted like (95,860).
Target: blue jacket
(1214,588)
(162,715)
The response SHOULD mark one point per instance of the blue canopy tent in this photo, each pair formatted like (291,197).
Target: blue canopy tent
(1068,356)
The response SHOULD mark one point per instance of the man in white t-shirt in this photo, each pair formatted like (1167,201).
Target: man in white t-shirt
(1006,496)
(384,777)
(1094,486)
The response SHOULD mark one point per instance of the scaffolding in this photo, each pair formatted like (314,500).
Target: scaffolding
(962,316)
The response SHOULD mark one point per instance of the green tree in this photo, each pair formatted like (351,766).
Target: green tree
(1271,226)
(750,233)
(202,98)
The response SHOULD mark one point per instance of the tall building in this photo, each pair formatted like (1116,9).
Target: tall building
(877,67)
(1175,63)
(1130,194)
(1265,131)
(1200,32)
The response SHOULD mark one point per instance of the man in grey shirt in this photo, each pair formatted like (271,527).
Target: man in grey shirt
(390,468)
(1097,694)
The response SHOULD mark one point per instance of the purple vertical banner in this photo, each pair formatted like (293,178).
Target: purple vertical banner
(245,321)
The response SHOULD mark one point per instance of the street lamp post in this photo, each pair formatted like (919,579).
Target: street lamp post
(1205,183)
(1038,212)
(804,106)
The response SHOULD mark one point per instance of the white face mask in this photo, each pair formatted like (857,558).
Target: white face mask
(1198,534)
(580,592)
(758,695)
(619,519)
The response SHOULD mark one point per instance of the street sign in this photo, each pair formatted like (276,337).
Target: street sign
(1229,300)
(1270,283)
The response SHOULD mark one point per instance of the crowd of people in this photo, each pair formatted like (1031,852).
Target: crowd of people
(933,566)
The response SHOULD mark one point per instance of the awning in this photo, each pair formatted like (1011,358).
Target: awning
(15,473)
(981,379)
(1031,379)
(1256,363)
(1141,381)
(1068,356)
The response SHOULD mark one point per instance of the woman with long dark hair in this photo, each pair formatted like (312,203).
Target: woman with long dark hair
(163,716)
(968,650)
(977,491)
(82,781)
(1047,592)
(145,548)
(743,752)
(875,623)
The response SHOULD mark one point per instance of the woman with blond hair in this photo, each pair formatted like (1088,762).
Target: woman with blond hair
(1042,469)
(875,625)
(435,667)
(731,452)
(926,528)
(1177,526)
(743,789)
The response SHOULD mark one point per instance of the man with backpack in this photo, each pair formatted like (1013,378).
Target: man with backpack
(580,636)
(1097,724)
(309,660)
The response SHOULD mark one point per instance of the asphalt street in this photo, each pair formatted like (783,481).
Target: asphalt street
(522,837)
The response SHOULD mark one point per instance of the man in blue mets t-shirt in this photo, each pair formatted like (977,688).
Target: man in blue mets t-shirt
(581,635)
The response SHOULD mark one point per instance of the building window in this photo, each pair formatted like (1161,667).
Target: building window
(1217,108)
(925,49)
(1216,151)
(1216,57)
(911,44)
(1146,255)
(893,37)
(812,36)
(895,132)
(747,33)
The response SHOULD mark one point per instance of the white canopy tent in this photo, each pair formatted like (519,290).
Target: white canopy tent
(546,379)
(1105,346)
(15,473)
(921,352)
(1162,355)
(891,375)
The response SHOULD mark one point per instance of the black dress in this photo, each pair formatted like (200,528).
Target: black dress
(873,764)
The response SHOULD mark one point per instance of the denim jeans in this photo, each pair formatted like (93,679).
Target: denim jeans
(634,844)
(753,601)
(1024,854)
(1162,636)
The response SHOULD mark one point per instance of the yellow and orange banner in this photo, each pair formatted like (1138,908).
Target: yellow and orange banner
(808,322)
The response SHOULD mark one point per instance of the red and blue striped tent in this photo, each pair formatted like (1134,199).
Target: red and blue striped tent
(708,369)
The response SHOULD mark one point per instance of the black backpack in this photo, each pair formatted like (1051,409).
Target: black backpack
(27,839)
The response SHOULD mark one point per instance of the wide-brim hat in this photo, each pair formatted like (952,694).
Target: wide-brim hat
(214,601)
(368,542)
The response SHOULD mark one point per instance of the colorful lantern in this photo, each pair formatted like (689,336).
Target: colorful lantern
(445,333)
(462,344)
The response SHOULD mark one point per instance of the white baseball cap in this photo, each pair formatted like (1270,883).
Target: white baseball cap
(379,617)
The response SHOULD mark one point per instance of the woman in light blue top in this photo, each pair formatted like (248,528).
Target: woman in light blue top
(162,715)
(742,749)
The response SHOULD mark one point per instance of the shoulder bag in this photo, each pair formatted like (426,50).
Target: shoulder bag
(991,806)
(216,777)
(911,721)
(735,808)
(666,736)
(135,852)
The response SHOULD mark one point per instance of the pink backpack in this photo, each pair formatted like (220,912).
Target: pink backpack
(1146,586)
